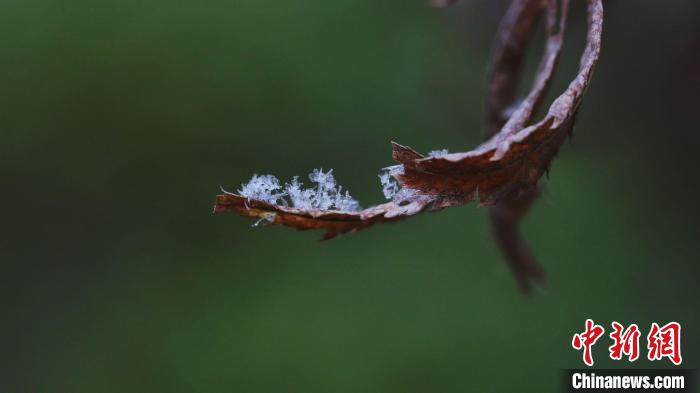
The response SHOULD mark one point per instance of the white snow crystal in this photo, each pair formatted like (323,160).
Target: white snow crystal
(345,202)
(403,195)
(438,153)
(301,199)
(325,191)
(261,187)
(389,186)
(324,180)
(326,195)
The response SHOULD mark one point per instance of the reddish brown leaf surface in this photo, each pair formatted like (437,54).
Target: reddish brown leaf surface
(514,159)
(506,71)
(333,222)
(504,171)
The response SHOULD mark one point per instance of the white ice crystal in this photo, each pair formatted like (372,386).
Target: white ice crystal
(403,195)
(389,186)
(262,187)
(325,189)
(324,180)
(301,199)
(438,153)
(345,202)
(325,195)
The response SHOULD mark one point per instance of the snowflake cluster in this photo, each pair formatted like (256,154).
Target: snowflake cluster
(325,195)
(262,187)
(391,188)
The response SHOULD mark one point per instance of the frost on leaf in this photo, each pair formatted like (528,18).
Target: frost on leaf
(389,186)
(438,153)
(325,195)
(345,202)
(391,189)
(263,188)
(502,172)
(301,198)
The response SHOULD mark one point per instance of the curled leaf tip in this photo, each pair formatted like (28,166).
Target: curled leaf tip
(503,172)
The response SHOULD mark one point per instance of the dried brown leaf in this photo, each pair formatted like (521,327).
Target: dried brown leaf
(503,171)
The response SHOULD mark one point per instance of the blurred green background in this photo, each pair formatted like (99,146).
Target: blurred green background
(119,120)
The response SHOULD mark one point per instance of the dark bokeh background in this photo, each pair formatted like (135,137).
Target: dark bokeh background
(119,120)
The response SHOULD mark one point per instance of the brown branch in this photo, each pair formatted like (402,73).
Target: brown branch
(504,79)
(507,61)
(333,222)
(503,171)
